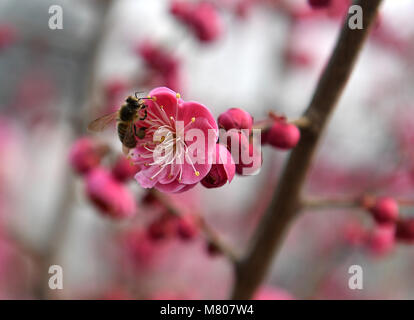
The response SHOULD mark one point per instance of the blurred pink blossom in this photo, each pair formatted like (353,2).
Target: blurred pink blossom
(201,17)
(109,195)
(272,293)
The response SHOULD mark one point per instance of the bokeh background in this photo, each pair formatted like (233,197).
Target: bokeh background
(265,55)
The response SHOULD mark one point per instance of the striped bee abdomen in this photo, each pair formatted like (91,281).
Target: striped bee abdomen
(126,134)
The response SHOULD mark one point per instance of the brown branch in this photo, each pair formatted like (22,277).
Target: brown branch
(56,237)
(252,269)
(209,233)
(363,201)
(301,123)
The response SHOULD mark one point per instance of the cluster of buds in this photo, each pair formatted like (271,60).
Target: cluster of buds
(238,125)
(145,243)
(167,226)
(390,227)
(202,18)
(104,186)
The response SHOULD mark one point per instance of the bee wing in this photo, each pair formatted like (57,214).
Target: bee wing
(100,123)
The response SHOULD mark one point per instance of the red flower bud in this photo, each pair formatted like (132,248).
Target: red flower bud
(319,3)
(201,17)
(405,230)
(124,169)
(163,227)
(252,165)
(110,196)
(221,171)
(283,135)
(187,227)
(235,118)
(385,210)
(382,239)
(85,154)
(212,249)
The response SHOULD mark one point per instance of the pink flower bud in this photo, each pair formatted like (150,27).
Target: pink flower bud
(319,3)
(385,210)
(202,17)
(283,135)
(110,196)
(157,57)
(221,171)
(251,166)
(187,227)
(405,230)
(382,239)
(235,118)
(140,248)
(85,154)
(124,169)
(247,157)
(163,227)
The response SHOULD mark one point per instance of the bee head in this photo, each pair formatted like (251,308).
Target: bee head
(131,100)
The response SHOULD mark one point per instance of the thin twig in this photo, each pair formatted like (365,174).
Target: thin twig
(253,268)
(211,235)
(56,237)
(347,202)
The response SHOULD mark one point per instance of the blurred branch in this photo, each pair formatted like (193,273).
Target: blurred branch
(331,203)
(55,239)
(253,268)
(301,123)
(347,202)
(211,235)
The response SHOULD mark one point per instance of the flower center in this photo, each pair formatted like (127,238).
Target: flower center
(167,147)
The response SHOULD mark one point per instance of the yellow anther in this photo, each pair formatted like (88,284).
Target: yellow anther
(162,107)
(171,118)
(149,97)
(197,173)
(154,98)
(178,95)
(192,119)
(162,138)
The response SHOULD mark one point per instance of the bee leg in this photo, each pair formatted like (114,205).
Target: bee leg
(135,130)
(145,116)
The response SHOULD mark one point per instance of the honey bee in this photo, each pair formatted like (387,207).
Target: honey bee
(125,118)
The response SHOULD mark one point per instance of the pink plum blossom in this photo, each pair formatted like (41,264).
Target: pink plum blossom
(177,150)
